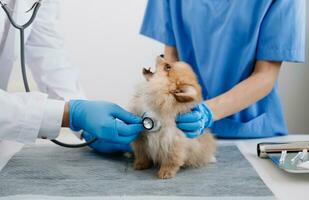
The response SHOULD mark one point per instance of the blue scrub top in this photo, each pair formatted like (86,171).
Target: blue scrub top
(222,40)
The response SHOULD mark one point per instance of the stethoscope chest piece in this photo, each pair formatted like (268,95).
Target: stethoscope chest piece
(150,123)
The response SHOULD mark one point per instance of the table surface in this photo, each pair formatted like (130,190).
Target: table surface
(282,184)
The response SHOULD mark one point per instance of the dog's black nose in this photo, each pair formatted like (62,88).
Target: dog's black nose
(162,55)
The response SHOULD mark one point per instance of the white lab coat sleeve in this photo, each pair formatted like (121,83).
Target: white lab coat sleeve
(52,119)
(47,58)
(22,114)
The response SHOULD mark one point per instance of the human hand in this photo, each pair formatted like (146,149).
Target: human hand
(103,146)
(105,121)
(194,123)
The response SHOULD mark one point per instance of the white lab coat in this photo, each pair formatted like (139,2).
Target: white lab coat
(26,116)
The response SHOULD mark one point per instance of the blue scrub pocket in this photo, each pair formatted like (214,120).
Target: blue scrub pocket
(256,128)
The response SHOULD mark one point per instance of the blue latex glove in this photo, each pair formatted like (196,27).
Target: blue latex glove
(103,146)
(104,120)
(194,123)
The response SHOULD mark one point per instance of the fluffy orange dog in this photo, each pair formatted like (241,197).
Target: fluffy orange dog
(170,90)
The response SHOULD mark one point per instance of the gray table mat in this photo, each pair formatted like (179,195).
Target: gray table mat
(56,171)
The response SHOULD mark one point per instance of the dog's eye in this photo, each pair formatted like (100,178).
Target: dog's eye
(167,67)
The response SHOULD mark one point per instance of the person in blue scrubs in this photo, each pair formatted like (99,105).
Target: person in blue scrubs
(236,48)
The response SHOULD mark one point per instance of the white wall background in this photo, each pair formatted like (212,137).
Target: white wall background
(102,39)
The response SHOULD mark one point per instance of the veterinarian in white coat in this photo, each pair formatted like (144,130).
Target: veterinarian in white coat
(27,116)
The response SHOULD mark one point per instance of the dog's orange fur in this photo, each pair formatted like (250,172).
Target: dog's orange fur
(171,90)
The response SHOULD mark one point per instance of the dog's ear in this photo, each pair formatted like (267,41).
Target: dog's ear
(185,93)
(147,73)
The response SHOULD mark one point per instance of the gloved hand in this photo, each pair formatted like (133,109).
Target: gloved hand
(194,123)
(103,146)
(104,120)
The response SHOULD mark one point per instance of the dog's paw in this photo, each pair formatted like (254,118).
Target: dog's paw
(213,159)
(141,165)
(166,174)
(128,155)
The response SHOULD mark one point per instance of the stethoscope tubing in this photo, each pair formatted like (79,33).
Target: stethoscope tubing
(36,6)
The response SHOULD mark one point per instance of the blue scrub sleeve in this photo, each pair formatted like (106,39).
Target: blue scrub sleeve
(282,33)
(157,22)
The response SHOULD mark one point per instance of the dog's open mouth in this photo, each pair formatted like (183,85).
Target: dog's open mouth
(148,71)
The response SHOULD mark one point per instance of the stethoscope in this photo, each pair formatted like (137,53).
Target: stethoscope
(148,122)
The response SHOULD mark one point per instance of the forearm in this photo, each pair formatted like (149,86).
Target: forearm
(170,53)
(247,92)
(21,115)
(66,116)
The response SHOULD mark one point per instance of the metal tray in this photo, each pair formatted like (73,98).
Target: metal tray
(287,165)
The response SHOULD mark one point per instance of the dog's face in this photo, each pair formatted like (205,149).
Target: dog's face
(172,86)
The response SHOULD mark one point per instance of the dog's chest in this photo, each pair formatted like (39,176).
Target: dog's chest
(159,143)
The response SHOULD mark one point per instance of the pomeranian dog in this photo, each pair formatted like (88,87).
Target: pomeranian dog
(171,90)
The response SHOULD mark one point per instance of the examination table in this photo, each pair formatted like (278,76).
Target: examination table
(282,184)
